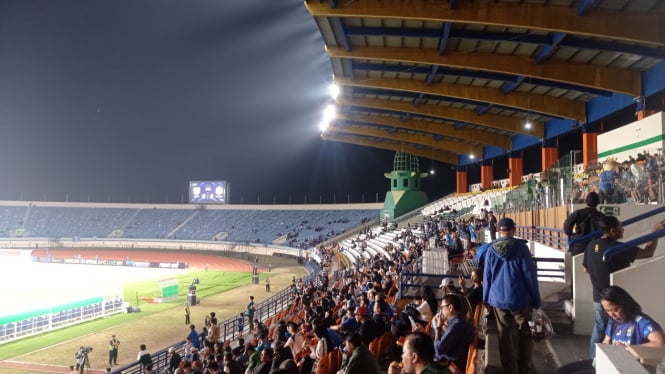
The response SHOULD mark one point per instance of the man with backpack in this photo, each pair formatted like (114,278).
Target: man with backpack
(582,222)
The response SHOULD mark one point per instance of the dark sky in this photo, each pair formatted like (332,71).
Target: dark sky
(130,99)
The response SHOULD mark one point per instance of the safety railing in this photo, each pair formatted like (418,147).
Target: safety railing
(614,250)
(627,222)
(228,329)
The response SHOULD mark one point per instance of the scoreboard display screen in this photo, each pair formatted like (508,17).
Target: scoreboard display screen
(208,192)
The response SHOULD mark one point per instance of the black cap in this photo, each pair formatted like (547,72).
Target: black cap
(506,224)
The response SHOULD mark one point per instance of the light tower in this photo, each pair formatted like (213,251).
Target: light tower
(405,186)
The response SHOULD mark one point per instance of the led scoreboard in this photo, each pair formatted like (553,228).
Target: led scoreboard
(208,192)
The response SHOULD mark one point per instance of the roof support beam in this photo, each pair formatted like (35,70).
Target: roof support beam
(443,41)
(585,6)
(432,75)
(500,36)
(348,67)
(480,137)
(476,74)
(338,26)
(549,50)
(512,86)
(436,155)
(426,140)
(547,105)
(603,23)
(496,121)
(599,77)
(484,109)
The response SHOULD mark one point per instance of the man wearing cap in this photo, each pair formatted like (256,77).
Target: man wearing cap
(583,221)
(368,328)
(511,287)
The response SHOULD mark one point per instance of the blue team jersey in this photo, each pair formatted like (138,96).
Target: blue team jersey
(635,331)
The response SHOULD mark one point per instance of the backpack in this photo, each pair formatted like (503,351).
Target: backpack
(589,224)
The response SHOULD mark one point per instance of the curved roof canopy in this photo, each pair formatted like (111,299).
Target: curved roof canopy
(450,79)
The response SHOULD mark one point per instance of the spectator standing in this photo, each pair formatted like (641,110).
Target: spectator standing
(113,350)
(144,358)
(599,270)
(492,225)
(194,337)
(511,287)
(250,312)
(240,324)
(174,359)
(582,222)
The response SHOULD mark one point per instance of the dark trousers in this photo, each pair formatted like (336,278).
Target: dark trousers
(506,321)
(113,356)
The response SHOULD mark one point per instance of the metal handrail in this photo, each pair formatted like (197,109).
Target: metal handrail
(612,251)
(599,233)
(265,309)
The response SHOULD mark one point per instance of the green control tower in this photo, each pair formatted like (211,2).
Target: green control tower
(405,192)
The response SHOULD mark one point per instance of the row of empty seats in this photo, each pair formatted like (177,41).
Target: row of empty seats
(289,227)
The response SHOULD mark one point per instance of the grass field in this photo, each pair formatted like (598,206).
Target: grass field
(157,325)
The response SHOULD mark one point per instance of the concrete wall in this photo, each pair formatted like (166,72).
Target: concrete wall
(231,249)
(582,294)
(616,360)
(644,281)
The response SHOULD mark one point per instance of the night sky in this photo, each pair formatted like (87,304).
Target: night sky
(130,100)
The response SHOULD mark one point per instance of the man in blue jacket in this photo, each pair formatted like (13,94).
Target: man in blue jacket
(511,288)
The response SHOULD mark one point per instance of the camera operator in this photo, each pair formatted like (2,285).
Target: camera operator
(82,358)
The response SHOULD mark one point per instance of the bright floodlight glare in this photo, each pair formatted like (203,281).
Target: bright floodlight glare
(329,113)
(334,90)
(527,125)
(323,126)
(431,172)
(471,156)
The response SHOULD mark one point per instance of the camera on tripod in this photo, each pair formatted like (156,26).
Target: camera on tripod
(85,350)
(82,360)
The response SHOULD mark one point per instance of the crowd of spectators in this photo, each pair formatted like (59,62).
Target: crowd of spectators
(348,322)
(634,180)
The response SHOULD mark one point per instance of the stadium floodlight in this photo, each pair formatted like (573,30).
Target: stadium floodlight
(472,156)
(334,91)
(527,124)
(329,114)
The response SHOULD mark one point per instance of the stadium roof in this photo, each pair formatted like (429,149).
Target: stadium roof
(449,79)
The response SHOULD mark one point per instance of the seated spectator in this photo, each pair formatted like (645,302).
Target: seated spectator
(358,359)
(281,354)
(424,308)
(417,357)
(451,343)
(266,362)
(232,366)
(627,326)
(349,322)
(475,293)
(369,330)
